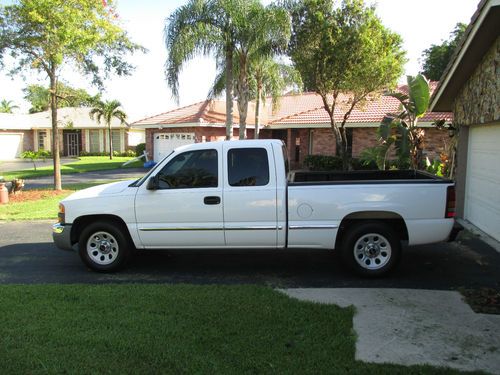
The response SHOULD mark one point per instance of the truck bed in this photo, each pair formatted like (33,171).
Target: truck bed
(364,177)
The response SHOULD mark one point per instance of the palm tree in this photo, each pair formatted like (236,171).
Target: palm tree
(230,30)
(6,106)
(269,78)
(202,27)
(107,110)
(265,34)
(266,78)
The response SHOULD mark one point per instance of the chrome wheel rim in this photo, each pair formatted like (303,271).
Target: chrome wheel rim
(372,251)
(102,248)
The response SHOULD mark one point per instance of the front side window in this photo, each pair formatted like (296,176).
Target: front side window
(192,169)
(248,167)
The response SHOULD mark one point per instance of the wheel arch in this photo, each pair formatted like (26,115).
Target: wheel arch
(80,223)
(393,219)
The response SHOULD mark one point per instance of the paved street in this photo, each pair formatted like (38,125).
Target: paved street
(27,255)
(88,177)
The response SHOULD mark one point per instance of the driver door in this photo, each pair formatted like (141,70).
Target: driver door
(186,208)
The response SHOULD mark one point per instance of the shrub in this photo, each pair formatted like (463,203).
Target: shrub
(323,163)
(85,153)
(129,153)
(139,149)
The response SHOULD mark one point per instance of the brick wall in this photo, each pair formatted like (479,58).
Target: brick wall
(323,141)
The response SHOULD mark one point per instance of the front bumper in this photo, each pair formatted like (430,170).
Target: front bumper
(61,234)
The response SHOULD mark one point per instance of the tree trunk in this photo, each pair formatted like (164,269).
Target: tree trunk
(257,110)
(343,149)
(229,91)
(242,96)
(110,142)
(55,134)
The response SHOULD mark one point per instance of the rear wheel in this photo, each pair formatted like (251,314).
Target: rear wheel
(103,247)
(371,249)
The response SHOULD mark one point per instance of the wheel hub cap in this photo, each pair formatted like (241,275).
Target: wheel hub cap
(372,251)
(102,248)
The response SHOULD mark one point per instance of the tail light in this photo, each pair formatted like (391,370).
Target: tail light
(450,202)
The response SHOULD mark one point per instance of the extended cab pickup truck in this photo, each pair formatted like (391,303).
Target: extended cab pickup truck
(236,194)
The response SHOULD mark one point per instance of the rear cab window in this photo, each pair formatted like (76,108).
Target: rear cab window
(248,167)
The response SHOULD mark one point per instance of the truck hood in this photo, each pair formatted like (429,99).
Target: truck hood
(100,190)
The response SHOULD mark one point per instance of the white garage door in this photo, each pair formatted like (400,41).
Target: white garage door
(10,146)
(482,201)
(166,142)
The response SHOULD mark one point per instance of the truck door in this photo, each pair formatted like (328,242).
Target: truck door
(250,200)
(186,209)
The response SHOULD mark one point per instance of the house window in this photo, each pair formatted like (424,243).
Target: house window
(94,141)
(116,136)
(42,136)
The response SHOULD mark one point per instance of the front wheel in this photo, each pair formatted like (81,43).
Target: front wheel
(103,247)
(371,249)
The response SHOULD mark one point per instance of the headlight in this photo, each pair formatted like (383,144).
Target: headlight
(61,215)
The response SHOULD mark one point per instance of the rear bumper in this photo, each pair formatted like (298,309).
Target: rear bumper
(457,228)
(61,234)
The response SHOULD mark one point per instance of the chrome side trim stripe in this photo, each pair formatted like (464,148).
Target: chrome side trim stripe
(171,229)
(316,226)
(256,227)
(180,229)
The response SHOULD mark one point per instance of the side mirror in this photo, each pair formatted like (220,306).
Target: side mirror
(153,183)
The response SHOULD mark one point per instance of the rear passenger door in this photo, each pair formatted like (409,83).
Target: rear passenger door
(250,200)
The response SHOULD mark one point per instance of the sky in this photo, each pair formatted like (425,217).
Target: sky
(145,93)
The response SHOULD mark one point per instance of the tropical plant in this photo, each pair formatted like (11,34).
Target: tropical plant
(7,106)
(45,36)
(401,129)
(345,55)
(233,31)
(436,57)
(106,111)
(34,156)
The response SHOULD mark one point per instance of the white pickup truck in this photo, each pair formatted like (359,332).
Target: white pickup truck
(239,194)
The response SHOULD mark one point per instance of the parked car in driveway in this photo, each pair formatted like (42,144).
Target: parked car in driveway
(240,195)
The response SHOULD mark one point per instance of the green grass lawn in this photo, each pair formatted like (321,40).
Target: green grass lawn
(182,329)
(81,165)
(45,208)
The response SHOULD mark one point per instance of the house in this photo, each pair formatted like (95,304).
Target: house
(300,121)
(77,133)
(470,87)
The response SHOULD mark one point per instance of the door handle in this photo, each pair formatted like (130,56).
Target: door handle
(211,200)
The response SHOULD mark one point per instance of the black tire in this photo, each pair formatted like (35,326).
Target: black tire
(371,249)
(104,247)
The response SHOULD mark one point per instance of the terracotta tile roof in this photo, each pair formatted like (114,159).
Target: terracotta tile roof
(304,109)
(307,110)
(208,112)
